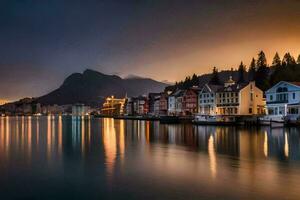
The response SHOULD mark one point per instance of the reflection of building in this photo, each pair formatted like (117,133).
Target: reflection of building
(239,99)
(113,106)
(284,99)
(80,110)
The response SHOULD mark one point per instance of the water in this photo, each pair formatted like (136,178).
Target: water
(65,158)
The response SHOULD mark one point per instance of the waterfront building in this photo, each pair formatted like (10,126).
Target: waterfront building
(239,99)
(153,101)
(207,99)
(189,101)
(172,104)
(140,105)
(284,99)
(178,100)
(163,104)
(129,106)
(113,106)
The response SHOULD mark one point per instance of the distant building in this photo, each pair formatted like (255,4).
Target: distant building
(239,99)
(153,99)
(80,110)
(172,104)
(129,103)
(163,104)
(141,106)
(113,106)
(284,98)
(179,102)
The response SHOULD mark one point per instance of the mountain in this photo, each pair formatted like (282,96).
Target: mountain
(91,88)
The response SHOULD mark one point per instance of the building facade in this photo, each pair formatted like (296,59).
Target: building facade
(189,101)
(284,99)
(239,99)
(207,99)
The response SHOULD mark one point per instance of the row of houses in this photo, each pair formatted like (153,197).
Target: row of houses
(228,99)
(231,98)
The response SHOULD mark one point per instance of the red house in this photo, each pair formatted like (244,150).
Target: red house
(190,99)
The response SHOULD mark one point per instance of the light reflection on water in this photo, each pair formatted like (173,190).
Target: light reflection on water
(110,158)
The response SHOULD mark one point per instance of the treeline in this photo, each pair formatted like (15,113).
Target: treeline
(265,75)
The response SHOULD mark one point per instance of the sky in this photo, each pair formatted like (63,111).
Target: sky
(42,42)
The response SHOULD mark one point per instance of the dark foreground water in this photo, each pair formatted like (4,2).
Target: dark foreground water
(65,158)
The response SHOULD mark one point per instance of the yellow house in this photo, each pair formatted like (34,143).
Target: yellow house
(239,99)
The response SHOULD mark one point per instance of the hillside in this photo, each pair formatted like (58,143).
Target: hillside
(91,87)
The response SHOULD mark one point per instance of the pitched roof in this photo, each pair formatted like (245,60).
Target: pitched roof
(232,88)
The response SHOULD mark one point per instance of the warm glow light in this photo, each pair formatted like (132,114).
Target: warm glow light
(82,136)
(122,139)
(212,156)
(60,134)
(266,144)
(109,143)
(29,136)
(286,145)
(49,142)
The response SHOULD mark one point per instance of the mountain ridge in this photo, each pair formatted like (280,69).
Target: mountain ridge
(91,87)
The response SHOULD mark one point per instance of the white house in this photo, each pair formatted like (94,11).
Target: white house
(207,99)
(171,105)
(284,99)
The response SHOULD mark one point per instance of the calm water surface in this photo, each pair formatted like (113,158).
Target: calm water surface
(69,158)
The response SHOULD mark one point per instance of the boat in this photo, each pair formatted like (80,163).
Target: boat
(205,120)
(214,120)
(272,120)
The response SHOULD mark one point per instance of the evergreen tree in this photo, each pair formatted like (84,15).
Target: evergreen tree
(262,73)
(298,60)
(241,72)
(288,60)
(215,77)
(252,70)
(195,80)
(261,60)
(276,60)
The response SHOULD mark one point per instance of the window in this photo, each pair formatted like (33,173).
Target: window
(251,96)
(271,97)
(294,95)
(250,110)
(236,100)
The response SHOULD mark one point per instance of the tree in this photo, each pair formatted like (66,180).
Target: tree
(276,60)
(288,60)
(298,60)
(262,73)
(215,77)
(241,72)
(252,70)
(261,60)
